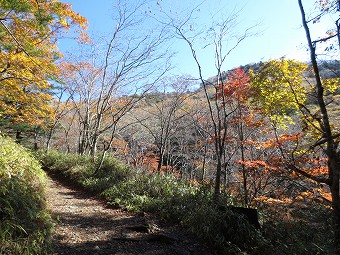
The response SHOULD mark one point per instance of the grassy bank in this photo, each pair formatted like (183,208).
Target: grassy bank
(25,223)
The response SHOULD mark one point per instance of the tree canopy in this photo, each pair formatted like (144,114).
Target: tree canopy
(29,31)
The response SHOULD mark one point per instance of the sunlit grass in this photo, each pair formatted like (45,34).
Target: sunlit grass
(25,224)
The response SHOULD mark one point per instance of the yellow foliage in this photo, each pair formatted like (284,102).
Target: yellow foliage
(331,84)
(28,54)
(277,88)
(273,201)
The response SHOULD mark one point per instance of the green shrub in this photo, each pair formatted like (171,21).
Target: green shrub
(25,224)
(147,192)
(177,201)
(111,173)
(83,170)
(299,237)
(73,166)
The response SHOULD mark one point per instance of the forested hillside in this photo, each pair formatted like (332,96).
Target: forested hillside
(114,119)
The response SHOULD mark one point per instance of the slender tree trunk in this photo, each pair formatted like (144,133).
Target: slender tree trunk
(49,137)
(66,139)
(244,173)
(204,161)
(331,149)
(35,145)
(96,135)
(101,162)
(219,166)
(93,148)
(84,140)
(217,180)
(336,207)
(337,23)
(18,136)
(160,161)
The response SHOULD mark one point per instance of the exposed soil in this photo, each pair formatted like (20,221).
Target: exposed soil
(86,225)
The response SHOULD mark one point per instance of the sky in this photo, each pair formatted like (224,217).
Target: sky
(277,25)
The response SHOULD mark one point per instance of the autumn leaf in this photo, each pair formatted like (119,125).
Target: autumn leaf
(278,89)
(29,30)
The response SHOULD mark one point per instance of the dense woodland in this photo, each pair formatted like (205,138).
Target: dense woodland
(265,135)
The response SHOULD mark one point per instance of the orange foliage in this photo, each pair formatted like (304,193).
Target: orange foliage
(255,164)
(150,161)
(275,142)
(120,146)
(314,166)
(236,86)
(315,193)
(269,200)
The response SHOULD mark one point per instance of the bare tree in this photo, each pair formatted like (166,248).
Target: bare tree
(109,84)
(220,33)
(161,118)
(61,108)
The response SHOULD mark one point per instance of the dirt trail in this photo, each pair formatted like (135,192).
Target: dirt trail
(85,225)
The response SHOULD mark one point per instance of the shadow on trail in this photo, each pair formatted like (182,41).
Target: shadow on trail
(86,225)
(102,221)
(123,248)
(118,240)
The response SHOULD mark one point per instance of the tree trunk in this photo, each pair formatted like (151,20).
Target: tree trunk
(334,187)
(204,161)
(35,145)
(93,148)
(244,176)
(49,138)
(331,144)
(102,158)
(217,188)
(160,162)
(18,136)
(244,172)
